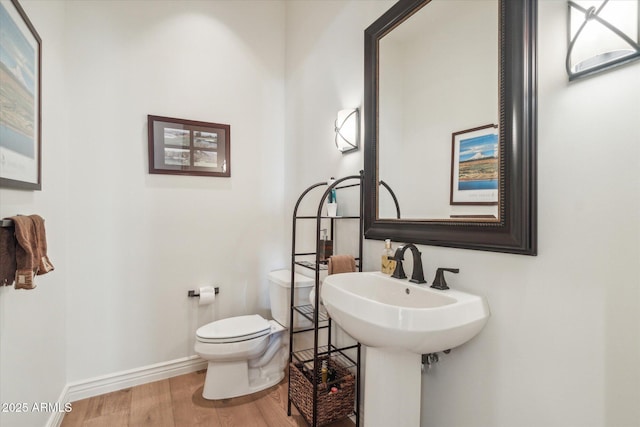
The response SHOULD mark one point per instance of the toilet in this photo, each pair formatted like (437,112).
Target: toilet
(247,354)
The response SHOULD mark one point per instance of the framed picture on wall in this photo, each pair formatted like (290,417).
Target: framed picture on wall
(475,166)
(20,103)
(188,147)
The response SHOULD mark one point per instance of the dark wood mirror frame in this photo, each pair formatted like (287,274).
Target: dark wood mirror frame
(516,229)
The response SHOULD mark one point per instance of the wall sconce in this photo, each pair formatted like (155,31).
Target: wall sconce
(602,34)
(347,128)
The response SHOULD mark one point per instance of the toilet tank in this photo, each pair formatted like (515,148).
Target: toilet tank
(280,296)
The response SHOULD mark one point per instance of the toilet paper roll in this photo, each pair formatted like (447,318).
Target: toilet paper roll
(207,295)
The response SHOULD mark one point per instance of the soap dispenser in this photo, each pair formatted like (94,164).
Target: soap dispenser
(325,249)
(388,264)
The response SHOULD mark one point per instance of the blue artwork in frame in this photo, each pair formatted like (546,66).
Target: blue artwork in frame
(475,166)
(20,104)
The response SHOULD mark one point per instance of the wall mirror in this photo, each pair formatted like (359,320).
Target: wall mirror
(450,124)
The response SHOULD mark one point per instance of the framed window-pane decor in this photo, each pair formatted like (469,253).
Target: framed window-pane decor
(188,147)
(20,105)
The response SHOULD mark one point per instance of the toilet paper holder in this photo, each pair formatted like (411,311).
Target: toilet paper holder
(195,294)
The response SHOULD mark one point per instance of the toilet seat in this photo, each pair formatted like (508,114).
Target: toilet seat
(234,329)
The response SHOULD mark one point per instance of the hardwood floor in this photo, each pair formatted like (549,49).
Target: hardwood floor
(178,402)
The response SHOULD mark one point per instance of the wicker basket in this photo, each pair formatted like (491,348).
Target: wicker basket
(331,406)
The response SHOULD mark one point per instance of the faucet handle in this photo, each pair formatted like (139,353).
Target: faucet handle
(417,276)
(399,273)
(398,256)
(439,282)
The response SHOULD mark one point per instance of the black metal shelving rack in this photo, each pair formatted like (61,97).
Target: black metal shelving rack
(310,357)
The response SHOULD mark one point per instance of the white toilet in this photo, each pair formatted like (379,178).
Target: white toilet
(247,354)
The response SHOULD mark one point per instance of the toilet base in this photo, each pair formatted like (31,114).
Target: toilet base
(232,378)
(225,380)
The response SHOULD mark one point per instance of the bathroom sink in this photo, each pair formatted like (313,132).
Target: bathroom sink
(398,321)
(380,311)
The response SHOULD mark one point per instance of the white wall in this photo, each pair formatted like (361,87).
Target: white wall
(562,345)
(324,68)
(128,245)
(137,241)
(325,62)
(32,323)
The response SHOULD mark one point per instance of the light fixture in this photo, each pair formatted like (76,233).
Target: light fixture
(602,34)
(347,128)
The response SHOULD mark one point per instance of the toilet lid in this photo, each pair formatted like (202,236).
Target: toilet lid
(234,329)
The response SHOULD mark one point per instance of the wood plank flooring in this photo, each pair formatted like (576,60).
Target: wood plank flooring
(178,402)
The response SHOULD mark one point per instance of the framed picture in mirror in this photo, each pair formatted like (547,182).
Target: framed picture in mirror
(475,166)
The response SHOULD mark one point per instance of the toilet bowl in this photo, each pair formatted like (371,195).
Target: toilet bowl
(247,354)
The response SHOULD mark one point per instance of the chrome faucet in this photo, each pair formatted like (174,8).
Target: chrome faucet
(417,276)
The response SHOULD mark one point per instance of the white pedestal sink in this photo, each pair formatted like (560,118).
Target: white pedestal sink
(398,322)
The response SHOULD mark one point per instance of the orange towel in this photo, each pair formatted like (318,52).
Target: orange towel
(44,263)
(341,264)
(31,250)
(26,252)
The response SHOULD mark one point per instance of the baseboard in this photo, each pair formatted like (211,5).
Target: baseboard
(56,417)
(120,380)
